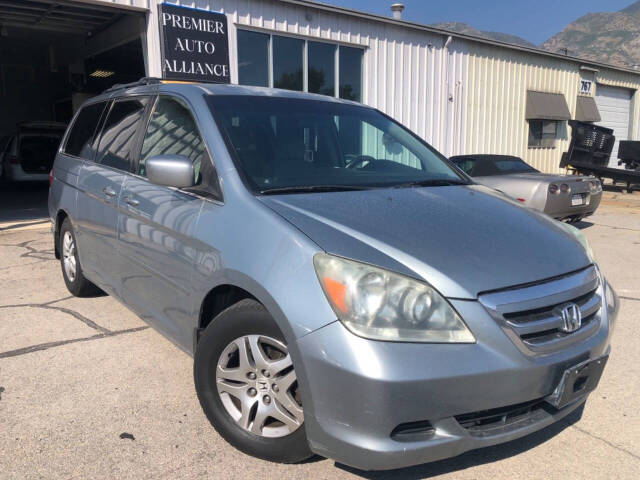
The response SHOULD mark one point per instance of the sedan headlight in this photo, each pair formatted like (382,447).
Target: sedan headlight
(382,305)
(611,300)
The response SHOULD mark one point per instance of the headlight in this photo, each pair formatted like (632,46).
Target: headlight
(553,189)
(564,188)
(381,305)
(594,186)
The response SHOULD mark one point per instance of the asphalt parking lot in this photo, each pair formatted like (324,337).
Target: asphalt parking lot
(87,390)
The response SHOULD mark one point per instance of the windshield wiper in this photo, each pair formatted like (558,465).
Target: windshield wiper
(312,188)
(439,182)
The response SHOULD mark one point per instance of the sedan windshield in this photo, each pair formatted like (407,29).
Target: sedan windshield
(285,145)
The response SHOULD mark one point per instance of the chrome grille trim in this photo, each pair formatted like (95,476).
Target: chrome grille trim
(529,315)
(544,294)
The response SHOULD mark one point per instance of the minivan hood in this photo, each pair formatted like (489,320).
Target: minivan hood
(463,240)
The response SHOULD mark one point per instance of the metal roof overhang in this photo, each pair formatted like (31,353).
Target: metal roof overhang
(546,106)
(75,17)
(587,110)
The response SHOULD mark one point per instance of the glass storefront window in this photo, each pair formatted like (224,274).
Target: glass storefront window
(350,73)
(291,69)
(321,73)
(287,63)
(253,58)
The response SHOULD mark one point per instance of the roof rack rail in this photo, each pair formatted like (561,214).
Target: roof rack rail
(142,81)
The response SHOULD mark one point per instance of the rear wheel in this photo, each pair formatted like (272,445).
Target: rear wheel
(247,385)
(76,282)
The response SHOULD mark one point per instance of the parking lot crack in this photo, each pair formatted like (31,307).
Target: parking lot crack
(87,321)
(612,445)
(46,346)
(32,252)
(617,228)
(633,299)
(58,300)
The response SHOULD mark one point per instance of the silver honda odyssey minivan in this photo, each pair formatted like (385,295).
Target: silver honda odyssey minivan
(343,288)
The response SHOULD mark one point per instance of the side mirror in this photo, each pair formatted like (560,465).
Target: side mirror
(170,170)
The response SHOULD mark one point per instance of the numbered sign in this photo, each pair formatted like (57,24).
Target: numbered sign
(585,87)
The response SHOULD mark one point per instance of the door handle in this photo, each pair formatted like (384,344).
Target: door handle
(109,192)
(131,201)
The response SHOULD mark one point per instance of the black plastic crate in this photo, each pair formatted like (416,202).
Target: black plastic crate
(589,144)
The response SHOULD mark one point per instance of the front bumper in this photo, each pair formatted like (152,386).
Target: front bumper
(357,391)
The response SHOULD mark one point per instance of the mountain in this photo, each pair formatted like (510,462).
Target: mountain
(465,29)
(608,37)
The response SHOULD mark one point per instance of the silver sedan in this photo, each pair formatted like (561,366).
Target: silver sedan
(564,197)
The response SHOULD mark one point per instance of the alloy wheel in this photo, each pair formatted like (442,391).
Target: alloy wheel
(258,386)
(69,255)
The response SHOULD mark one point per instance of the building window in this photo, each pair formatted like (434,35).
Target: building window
(287,63)
(297,64)
(543,133)
(322,71)
(253,58)
(350,73)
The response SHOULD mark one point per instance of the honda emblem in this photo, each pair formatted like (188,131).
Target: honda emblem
(571,317)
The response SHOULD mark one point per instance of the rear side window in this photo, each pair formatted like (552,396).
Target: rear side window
(81,134)
(120,132)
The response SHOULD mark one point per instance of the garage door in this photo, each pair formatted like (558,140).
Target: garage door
(614,105)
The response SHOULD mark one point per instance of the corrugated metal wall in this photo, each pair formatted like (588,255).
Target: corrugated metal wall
(408,74)
(497,84)
(466,97)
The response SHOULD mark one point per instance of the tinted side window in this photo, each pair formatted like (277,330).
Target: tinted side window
(81,134)
(172,131)
(119,134)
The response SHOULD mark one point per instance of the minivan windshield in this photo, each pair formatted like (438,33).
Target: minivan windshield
(288,145)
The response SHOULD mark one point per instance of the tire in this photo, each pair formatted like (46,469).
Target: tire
(241,324)
(75,280)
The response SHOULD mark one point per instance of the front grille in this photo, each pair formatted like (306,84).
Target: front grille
(532,316)
(499,420)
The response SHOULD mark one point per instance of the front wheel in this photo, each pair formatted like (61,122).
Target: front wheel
(247,385)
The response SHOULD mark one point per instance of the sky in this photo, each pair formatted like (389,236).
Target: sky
(533,20)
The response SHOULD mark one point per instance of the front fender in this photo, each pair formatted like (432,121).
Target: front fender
(260,252)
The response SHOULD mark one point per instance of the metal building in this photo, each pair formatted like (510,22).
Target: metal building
(460,93)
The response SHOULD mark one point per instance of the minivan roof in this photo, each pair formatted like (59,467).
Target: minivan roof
(156,85)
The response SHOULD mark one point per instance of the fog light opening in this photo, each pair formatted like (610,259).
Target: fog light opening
(413,431)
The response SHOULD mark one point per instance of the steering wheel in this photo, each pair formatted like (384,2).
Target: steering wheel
(359,160)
